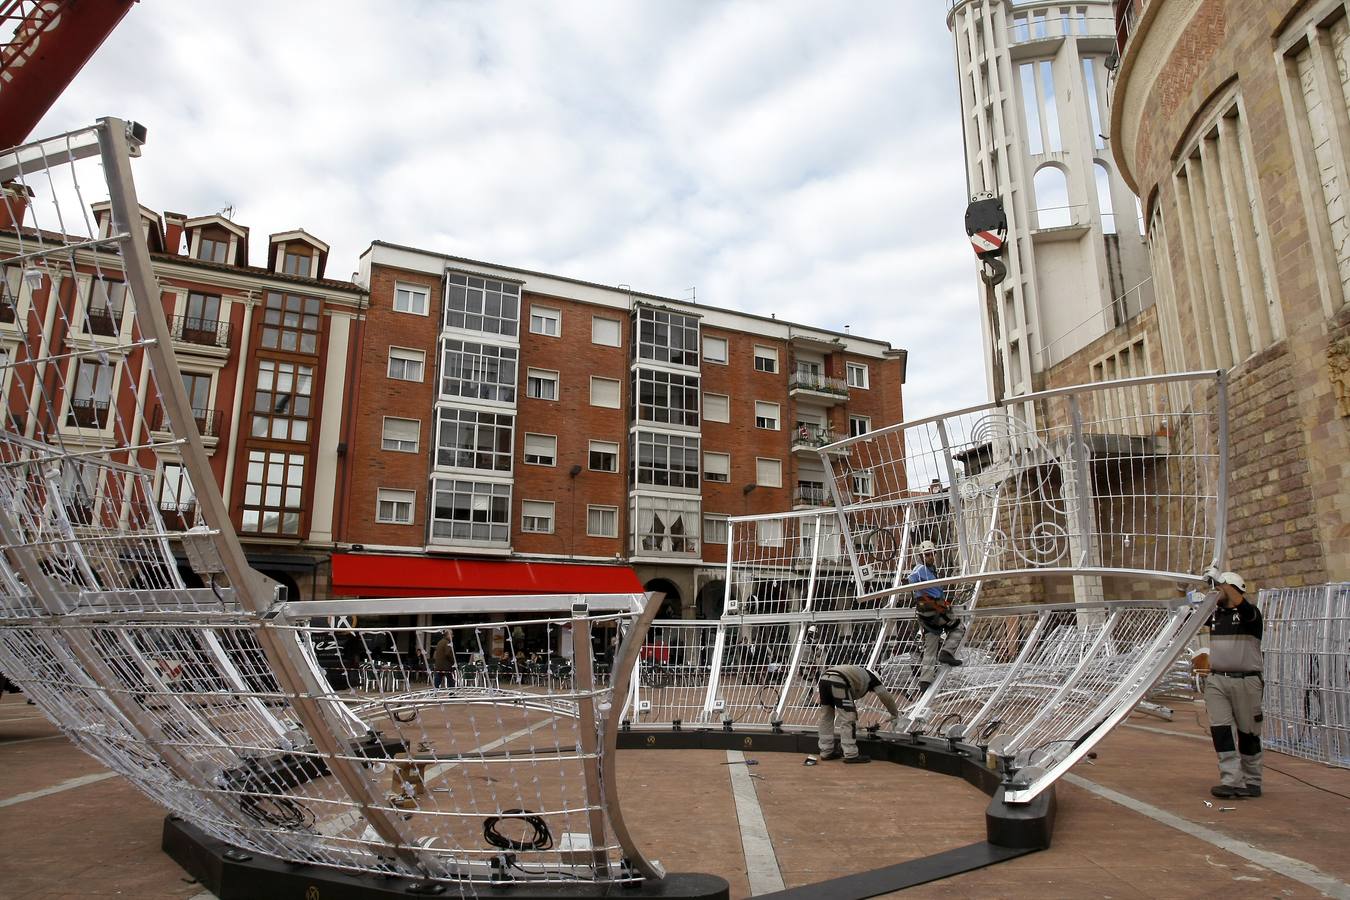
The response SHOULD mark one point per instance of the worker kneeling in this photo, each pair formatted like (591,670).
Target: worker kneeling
(841,687)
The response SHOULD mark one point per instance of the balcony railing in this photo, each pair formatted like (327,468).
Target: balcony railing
(804,380)
(202,332)
(88,413)
(812,436)
(103,321)
(809,493)
(208,421)
(178,516)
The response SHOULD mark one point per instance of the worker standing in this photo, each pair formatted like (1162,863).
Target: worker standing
(1233,692)
(841,687)
(942,631)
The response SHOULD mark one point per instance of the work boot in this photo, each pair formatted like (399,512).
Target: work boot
(836,753)
(948,659)
(860,758)
(924,685)
(1251,790)
(1228,791)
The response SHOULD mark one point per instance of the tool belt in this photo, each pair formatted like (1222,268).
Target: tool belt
(1237,674)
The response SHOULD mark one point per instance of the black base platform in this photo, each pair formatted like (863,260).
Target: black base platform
(232,875)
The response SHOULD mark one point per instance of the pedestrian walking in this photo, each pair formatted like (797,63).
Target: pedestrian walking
(1233,692)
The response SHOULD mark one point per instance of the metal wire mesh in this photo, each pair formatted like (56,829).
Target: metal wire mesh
(1307,671)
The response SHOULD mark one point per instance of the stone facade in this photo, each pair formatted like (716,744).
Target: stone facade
(1254,90)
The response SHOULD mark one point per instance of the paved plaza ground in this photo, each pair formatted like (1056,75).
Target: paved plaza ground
(1133,823)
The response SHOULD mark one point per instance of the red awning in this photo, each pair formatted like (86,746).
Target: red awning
(378,575)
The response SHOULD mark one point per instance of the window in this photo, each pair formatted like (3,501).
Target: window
(1052,198)
(176,495)
(541,384)
(296,264)
(400,435)
(606,332)
(769,532)
(10,288)
(766,415)
(202,313)
(858,376)
(1032,107)
(605,392)
(291,323)
(213,249)
(545,321)
(1051,107)
(717,467)
(93,388)
(716,408)
(281,403)
(198,386)
(541,449)
(106,302)
(667,398)
(714,529)
(604,456)
(482,304)
(394,507)
(1316,52)
(665,460)
(1232,296)
(602,521)
(860,483)
(414,299)
(859,425)
(1094,108)
(272,492)
(714,349)
(766,359)
(665,526)
(768,472)
(478,371)
(470,512)
(536,517)
(469,439)
(666,336)
(1104,204)
(406,365)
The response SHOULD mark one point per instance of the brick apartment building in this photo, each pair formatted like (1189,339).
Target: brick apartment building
(516,431)
(1231,120)
(265,356)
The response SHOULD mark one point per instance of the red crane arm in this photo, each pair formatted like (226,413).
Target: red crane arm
(50,42)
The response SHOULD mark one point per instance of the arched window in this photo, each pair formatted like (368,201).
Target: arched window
(1052,198)
(1104,199)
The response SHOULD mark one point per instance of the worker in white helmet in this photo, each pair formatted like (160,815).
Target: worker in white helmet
(1235,688)
(841,687)
(942,630)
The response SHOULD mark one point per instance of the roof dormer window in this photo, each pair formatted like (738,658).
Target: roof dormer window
(297,264)
(213,250)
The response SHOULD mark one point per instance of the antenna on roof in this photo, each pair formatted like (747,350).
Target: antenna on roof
(691,294)
(228,212)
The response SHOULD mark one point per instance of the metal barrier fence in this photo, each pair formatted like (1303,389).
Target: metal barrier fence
(1307,671)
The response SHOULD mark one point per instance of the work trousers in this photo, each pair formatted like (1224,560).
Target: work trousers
(838,716)
(1235,704)
(940,632)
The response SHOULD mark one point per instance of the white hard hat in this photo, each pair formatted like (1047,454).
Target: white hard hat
(1235,580)
(927,547)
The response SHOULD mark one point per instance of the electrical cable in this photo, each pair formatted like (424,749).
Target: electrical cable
(285,812)
(1205,731)
(542,840)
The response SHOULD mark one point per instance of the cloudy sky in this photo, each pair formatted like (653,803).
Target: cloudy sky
(797,158)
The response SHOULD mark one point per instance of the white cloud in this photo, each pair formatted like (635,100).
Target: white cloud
(789,158)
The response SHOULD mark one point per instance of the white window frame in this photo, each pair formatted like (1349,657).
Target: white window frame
(384,436)
(603,448)
(618,392)
(862,383)
(708,470)
(776,422)
(713,340)
(546,315)
(760,462)
(408,355)
(526,516)
(381,498)
(724,400)
(723,523)
(769,532)
(538,437)
(543,376)
(865,421)
(614,513)
(769,353)
(618,331)
(412,290)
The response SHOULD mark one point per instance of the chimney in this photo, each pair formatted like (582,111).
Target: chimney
(173,233)
(16,197)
